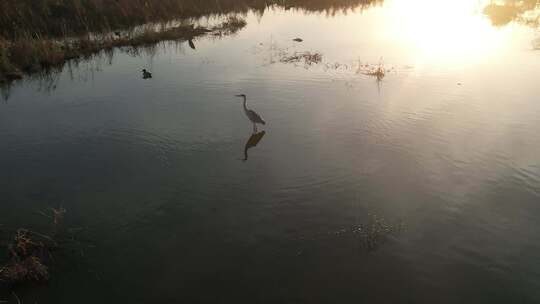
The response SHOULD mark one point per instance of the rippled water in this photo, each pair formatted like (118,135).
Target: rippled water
(423,187)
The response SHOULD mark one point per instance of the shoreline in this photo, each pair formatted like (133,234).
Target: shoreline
(30,56)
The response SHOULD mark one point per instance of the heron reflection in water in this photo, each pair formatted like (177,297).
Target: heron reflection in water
(252,141)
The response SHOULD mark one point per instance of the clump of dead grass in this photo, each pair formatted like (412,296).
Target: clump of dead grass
(308,58)
(28,257)
(30,253)
(378,71)
(230,26)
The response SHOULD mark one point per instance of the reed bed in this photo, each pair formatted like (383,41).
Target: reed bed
(27,56)
(39,34)
(39,18)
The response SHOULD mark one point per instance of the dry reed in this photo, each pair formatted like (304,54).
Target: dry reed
(39,34)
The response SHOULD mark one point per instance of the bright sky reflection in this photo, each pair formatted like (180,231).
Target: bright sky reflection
(443,32)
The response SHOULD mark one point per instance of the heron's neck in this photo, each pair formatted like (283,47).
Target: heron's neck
(245,103)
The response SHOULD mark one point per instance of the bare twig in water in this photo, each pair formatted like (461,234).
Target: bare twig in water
(16,297)
(43,236)
(44,214)
(58,214)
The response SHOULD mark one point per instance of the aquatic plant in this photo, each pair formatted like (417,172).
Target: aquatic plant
(27,259)
(376,231)
(30,253)
(378,70)
(231,25)
(308,58)
(370,235)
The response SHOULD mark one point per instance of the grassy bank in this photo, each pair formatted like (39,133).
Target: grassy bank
(40,18)
(27,55)
(39,34)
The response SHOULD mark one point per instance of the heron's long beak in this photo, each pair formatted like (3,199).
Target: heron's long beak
(238,95)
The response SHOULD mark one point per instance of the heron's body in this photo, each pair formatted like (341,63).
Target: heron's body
(252,115)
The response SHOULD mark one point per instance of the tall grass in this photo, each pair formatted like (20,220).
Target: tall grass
(66,17)
(26,55)
(36,34)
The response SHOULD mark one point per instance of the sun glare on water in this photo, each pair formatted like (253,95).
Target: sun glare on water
(443,32)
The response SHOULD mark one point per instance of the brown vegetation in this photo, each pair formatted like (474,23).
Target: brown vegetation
(30,253)
(32,55)
(27,259)
(59,18)
(308,58)
(39,34)
(378,71)
(522,11)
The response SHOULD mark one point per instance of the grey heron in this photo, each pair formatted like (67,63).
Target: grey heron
(252,115)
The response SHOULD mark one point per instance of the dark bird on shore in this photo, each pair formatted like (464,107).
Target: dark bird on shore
(298,39)
(191,44)
(146,74)
(252,115)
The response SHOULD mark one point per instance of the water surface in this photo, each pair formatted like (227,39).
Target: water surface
(419,188)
